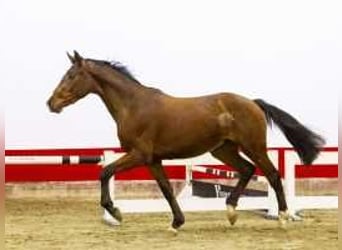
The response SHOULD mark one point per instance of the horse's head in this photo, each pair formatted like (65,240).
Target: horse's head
(75,84)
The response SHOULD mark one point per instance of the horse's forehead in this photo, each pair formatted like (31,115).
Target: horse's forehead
(70,71)
(69,74)
(65,79)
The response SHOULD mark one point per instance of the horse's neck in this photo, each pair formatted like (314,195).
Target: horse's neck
(117,91)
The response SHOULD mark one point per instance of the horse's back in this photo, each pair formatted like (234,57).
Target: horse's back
(232,102)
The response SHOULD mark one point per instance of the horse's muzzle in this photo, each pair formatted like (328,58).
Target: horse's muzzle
(53,107)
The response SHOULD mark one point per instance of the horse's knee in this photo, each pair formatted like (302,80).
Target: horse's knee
(106,173)
(102,175)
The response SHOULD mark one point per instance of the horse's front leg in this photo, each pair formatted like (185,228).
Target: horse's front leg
(158,173)
(127,161)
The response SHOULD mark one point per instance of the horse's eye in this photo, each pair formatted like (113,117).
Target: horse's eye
(69,77)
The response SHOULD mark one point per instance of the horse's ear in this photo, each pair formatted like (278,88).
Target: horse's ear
(78,58)
(72,60)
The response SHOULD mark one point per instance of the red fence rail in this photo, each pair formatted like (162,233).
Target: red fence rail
(91,172)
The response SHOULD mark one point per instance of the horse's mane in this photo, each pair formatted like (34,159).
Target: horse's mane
(118,66)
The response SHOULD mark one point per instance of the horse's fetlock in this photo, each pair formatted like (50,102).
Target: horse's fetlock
(106,204)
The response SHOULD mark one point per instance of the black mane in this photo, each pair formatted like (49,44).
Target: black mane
(118,67)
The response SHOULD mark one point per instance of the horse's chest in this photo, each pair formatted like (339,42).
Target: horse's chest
(126,136)
(128,133)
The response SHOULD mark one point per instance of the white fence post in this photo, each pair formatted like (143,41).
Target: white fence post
(187,190)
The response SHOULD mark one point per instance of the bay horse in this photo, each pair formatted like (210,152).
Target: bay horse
(153,126)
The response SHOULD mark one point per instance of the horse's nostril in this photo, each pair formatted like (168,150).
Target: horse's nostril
(49,103)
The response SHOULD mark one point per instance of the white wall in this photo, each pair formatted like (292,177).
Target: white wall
(286,52)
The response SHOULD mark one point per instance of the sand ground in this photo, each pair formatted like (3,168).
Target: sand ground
(64,223)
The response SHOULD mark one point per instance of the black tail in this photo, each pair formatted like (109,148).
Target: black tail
(306,142)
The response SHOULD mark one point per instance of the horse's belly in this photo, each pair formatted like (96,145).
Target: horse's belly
(187,146)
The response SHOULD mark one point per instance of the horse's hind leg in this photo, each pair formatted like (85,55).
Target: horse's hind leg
(262,160)
(228,153)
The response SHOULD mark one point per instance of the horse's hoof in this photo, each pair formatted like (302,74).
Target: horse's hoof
(231,214)
(284,216)
(172,230)
(177,223)
(117,214)
(110,220)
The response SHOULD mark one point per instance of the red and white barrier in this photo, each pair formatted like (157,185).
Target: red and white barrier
(326,159)
(18,166)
